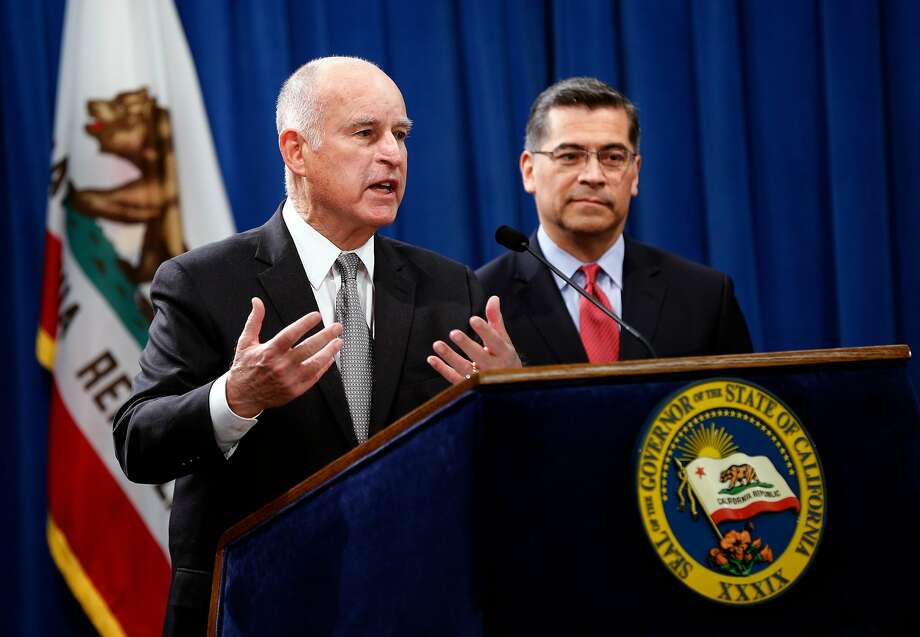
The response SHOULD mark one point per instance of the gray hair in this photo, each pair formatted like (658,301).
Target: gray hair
(298,106)
(588,92)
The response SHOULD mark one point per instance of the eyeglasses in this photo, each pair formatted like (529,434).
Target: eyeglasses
(614,161)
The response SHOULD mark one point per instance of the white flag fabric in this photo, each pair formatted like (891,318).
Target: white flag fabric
(739,486)
(134,181)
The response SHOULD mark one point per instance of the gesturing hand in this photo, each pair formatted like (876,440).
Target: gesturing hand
(496,352)
(275,372)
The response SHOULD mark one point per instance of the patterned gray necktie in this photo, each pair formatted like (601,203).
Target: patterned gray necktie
(356,358)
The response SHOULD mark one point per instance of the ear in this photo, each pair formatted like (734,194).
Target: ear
(635,184)
(293,149)
(526,163)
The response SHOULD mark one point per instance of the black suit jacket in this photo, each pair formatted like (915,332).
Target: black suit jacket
(681,307)
(202,299)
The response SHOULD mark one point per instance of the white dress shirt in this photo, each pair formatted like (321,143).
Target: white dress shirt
(609,278)
(318,255)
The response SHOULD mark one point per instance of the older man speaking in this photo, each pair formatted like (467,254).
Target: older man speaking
(276,351)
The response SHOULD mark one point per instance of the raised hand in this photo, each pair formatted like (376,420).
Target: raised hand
(496,352)
(273,373)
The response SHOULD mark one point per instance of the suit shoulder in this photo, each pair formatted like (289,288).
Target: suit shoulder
(214,253)
(216,259)
(424,259)
(673,265)
(498,274)
(500,265)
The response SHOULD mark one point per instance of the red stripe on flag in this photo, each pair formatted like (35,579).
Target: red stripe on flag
(720,515)
(104,531)
(51,282)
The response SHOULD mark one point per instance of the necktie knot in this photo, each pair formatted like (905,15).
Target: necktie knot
(347,265)
(590,270)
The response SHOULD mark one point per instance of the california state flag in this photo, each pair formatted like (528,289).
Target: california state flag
(134,181)
(739,487)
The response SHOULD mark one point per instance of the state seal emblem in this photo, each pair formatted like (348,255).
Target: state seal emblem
(731,492)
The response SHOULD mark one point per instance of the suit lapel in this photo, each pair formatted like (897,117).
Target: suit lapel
(290,295)
(643,293)
(394,304)
(547,310)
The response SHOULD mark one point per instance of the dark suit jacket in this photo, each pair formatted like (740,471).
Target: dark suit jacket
(202,299)
(681,307)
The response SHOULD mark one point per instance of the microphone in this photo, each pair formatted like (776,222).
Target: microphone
(518,242)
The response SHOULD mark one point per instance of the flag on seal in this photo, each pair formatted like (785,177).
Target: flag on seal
(739,486)
(134,181)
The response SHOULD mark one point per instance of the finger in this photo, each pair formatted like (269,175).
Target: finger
(497,348)
(322,370)
(314,367)
(250,334)
(450,357)
(285,339)
(493,341)
(494,314)
(310,346)
(445,370)
(473,350)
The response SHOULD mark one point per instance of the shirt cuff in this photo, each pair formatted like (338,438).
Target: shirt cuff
(228,427)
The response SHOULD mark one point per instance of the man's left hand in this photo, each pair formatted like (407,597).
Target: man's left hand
(496,352)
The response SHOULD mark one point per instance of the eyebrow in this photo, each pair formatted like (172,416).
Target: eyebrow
(616,145)
(403,122)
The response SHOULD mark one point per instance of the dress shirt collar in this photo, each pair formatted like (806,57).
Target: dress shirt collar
(611,261)
(317,253)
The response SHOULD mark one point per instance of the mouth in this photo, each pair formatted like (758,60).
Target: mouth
(384,187)
(95,126)
(592,200)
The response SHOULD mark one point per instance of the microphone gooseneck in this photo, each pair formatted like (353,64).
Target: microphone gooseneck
(517,241)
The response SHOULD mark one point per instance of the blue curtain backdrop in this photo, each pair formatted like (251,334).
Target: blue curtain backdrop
(781,143)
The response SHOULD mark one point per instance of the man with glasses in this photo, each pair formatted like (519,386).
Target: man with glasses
(581,163)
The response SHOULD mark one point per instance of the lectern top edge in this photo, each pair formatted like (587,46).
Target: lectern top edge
(697,364)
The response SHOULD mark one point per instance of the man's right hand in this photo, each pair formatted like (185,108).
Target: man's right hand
(273,373)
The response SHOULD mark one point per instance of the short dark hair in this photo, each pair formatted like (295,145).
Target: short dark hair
(589,92)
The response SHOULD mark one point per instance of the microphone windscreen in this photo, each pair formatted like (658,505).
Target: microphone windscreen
(512,239)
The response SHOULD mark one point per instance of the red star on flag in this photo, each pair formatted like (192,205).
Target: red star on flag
(700,472)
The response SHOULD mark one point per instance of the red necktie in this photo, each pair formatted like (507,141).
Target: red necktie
(599,333)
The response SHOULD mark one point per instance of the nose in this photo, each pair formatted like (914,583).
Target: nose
(389,150)
(591,172)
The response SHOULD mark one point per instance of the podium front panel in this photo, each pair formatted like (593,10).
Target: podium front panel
(513,509)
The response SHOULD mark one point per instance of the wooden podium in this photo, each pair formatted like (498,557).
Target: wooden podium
(519,502)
